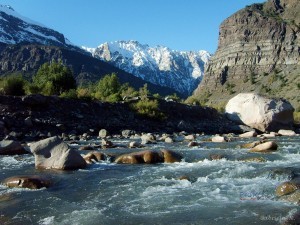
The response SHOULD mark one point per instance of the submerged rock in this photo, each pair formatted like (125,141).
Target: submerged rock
(254,159)
(251,145)
(288,187)
(28,181)
(8,147)
(259,112)
(265,147)
(53,153)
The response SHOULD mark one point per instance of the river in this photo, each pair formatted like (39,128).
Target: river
(218,192)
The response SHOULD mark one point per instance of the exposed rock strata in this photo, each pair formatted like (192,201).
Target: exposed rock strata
(258,50)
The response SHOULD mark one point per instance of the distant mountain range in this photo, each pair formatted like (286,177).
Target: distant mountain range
(25,45)
(180,70)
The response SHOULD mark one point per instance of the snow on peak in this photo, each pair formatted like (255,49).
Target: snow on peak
(160,65)
(11,12)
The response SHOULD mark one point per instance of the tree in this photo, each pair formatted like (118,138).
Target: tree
(12,85)
(54,78)
(108,88)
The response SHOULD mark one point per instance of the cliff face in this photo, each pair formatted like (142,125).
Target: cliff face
(258,50)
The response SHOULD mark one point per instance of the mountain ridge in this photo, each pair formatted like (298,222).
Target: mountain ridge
(180,70)
(17,29)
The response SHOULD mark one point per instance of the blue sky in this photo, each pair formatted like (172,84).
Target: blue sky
(177,24)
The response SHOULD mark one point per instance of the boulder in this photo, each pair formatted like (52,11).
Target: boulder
(127,133)
(259,112)
(193,144)
(270,135)
(265,147)
(251,145)
(190,137)
(86,148)
(94,156)
(148,139)
(28,181)
(170,156)
(106,144)
(149,157)
(288,187)
(103,133)
(146,156)
(8,147)
(219,138)
(169,140)
(248,134)
(134,144)
(53,153)
(287,132)
(294,197)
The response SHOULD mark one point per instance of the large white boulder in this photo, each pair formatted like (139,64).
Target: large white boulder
(53,153)
(260,112)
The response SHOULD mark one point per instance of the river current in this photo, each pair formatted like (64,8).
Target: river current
(217,192)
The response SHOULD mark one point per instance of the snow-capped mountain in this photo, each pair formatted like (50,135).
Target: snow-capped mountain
(15,29)
(159,65)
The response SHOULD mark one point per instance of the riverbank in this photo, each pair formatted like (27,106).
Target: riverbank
(33,117)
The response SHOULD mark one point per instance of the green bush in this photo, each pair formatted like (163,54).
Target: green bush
(13,85)
(69,94)
(108,88)
(148,108)
(54,78)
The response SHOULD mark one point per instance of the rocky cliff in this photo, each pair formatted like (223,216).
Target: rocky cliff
(259,51)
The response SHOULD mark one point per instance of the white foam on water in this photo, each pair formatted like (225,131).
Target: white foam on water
(47,221)
(79,217)
(10,162)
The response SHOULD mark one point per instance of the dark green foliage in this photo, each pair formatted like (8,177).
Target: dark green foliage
(69,94)
(145,106)
(229,87)
(13,85)
(298,85)
(108,88)
(252,78)
(54,78)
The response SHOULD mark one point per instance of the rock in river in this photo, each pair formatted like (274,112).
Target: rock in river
(259,112)
(149,157)
(53,153)
(8,147)
(28,181)
(265,147)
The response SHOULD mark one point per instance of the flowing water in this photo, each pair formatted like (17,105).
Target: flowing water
(226,191)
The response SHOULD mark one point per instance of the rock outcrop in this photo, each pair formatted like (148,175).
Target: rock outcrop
(259,112)
(53,153)
(258,50)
